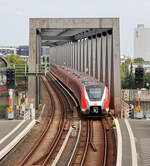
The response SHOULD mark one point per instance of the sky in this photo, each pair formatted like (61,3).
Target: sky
(15,14)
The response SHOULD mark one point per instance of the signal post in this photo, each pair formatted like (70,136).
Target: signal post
(10,73)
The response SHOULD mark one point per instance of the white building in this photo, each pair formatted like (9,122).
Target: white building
(142,42)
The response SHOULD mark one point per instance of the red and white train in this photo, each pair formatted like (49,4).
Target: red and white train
(92,95)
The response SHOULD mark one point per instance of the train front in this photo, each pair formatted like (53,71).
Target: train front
(95,100)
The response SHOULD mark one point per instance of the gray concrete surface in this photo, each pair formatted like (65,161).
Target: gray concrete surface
(141,131)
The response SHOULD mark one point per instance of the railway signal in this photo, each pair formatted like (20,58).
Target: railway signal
(10,73)
(139,77)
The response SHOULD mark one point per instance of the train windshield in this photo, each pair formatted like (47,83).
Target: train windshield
(95,92)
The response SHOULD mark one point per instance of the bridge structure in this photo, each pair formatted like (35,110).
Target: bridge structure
(90,45)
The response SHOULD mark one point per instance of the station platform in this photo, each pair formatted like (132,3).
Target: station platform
(133,142)
(11,132)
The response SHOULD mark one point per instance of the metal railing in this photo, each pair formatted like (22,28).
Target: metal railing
(22,70)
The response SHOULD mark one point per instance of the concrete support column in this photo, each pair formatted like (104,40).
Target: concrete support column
(65,55)
(104,54)
(115,72)
(94,51)
(62,49)
(109,51)
(81,59)
(96,59)
(62,55)
(72,50)
(106,64)
(70,55)
(83,63)
(85,55)
(38,56)
(79,54)
(77,64)
(99,58)
(89,56)
(58,55)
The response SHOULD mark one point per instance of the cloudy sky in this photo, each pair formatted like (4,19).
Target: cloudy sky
(15,14)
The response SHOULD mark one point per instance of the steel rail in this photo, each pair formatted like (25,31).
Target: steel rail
(87,143)
(76,145)
(59,133)
(45,131)
(105,145)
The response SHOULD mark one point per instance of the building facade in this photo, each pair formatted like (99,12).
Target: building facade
(142,42)
(8,50)
(23,50)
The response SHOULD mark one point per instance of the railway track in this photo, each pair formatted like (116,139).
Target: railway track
(54,145)
(89,144)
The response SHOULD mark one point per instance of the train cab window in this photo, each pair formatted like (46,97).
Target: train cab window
(95,92)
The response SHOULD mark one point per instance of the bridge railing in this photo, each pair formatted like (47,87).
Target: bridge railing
(124,109)
(22,70)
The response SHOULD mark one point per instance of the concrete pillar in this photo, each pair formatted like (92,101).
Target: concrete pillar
(58,55)
(70,55)
(94,51)
(72,46)
(81,59)
(83,63)
(38,55)
(104,55)
(75,55)
(62,55)
(99,58)
(65,55)
(96,59)
(89,56)
(106,63)
(109,52)
(85,55)
(79,54)
(115,72)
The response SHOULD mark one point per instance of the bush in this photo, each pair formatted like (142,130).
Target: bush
(3,109)
(113,124)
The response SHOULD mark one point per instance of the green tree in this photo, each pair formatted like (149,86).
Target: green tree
(139,61)
(147,79)
(15,59)
(124,70)
(18,60)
